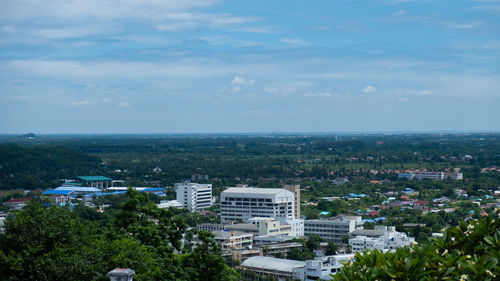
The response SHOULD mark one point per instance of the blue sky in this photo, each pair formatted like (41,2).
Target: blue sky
(153,66)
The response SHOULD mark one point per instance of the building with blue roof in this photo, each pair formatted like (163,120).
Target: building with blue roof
(78,189)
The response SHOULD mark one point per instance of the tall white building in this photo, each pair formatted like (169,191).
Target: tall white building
(242,203)
(382,238)
(194,196)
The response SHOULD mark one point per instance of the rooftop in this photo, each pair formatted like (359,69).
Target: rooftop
(59,192)
(273,263)
(78,189)
(94,178)
(252,190)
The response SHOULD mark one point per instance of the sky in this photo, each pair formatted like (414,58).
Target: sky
(236,66)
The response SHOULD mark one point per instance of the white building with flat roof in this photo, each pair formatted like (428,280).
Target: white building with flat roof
(194,196)
(331,230)
(165,204)
(321,268)
(281,269)
(382,238)
(233,239)
(243,203)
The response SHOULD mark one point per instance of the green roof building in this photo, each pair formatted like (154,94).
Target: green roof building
(96,181)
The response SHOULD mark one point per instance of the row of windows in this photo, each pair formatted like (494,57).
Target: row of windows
(248,199)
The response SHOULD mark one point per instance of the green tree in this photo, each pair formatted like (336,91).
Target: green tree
(331,249)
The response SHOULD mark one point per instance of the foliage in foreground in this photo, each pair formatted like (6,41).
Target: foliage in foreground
(56,244)
(470,251)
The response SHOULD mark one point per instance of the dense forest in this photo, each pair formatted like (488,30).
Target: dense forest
(57,243)
(257,160)
(40,166)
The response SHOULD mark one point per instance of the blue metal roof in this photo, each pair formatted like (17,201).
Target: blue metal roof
(78,188)
(62,192)
(153,189)
(105,193)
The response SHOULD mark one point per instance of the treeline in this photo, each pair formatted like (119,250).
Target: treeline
(256,160)
(58,243)
(40,166)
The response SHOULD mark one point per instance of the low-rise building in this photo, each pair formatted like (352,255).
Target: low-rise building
(165,204)
(418,175)
(321,268)
(17,203)
(280,248)
(100,182)
(277,268)
(382,238)
(233,239)
(332,230)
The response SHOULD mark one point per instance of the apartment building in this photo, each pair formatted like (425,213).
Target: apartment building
(332,230)
(243,203)
(194,196)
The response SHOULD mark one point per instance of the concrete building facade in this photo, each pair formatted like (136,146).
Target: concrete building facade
(233,239)
(295,188)
(332,230)
(321,268)
(194,196)
(382,238)
(243,203)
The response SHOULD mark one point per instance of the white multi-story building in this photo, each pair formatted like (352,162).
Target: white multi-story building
(233,239)
(270,226)
(321,268)
(382,238)
(194,196)
(297,227)
(332,230)
(243,203)
(431,175)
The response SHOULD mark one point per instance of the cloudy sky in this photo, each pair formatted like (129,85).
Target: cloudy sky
(208,66)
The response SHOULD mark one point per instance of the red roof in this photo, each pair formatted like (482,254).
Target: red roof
(14,200)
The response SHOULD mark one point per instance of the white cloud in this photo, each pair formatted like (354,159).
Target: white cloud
(369,89)
(494,8)
(81,103)
(72,32)
(470,25)
(123,104)
(399,13)
(236,89)
(293,41)
(270,90)
(186,21)
(255,29)
(324,95)
(8,28)
(403,99)
(238,80)
(107,10)
(423,93)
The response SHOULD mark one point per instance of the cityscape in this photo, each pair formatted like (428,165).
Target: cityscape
(218,140)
